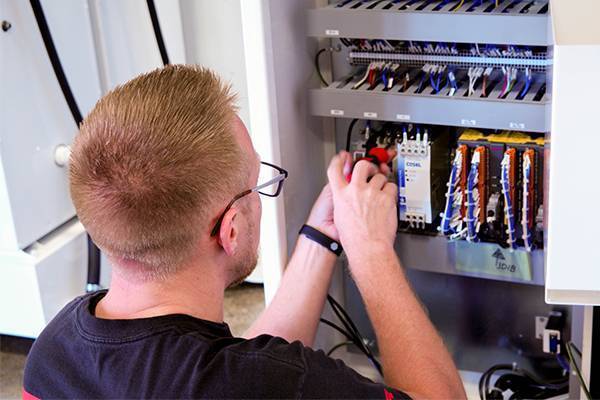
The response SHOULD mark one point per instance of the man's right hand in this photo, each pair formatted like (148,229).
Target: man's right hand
(413,355)
(364,209)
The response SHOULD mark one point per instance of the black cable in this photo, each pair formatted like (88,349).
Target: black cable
(93,278)
(349,134)
(356,336)
(158,33)
(351,328)
(318,66)
(570,347)
(337,346)
(357,341)
(348,324)
(485,380)
(337,328)
(334,304)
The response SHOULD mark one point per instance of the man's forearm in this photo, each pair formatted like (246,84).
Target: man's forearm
(295,310)
(413,354)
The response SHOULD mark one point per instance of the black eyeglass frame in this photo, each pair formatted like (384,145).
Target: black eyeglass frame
(283,174)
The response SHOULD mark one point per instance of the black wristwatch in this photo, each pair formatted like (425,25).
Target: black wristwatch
(332,245)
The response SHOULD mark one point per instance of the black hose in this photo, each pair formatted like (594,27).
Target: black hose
(55,60)
(93,276)
(158,33)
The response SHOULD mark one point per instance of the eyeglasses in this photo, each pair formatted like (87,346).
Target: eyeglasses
(270,183)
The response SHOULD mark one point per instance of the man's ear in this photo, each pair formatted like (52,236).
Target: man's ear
(228,234)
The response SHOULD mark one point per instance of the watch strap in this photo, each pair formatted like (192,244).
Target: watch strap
(317,236)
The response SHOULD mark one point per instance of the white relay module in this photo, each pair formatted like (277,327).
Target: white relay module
(413,165)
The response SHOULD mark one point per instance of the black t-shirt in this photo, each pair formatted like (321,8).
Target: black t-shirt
(178,356)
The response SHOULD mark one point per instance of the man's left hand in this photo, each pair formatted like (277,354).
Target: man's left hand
(321,215)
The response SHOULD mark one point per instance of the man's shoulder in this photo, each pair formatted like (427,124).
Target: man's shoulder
(63,320)
(50,343)
(271,349)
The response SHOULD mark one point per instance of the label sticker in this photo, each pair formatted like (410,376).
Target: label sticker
(370,114)
(403,117)
(332,32)
(491,259)
(337,112)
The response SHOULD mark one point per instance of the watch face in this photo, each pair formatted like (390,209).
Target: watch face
(333,246)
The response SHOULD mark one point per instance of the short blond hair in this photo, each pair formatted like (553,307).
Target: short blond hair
(150,161)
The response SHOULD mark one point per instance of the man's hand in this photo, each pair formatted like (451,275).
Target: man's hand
(364,209)
(321,215)
(366,219)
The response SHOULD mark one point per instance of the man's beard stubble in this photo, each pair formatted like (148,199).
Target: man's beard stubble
(244,268)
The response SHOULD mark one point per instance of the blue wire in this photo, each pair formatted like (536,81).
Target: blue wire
(431,75)
(453,82)
(471,229)
(509,208)
(343,3)
(563,363)
(420,88)
(384,77)
(447,217)
(526,87)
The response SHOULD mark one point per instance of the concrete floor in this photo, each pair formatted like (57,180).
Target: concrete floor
(242,305)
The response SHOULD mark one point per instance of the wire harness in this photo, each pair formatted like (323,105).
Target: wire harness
(528,193)
(507,182)
(451,224)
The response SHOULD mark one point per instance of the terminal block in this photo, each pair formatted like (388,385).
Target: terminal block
(501,201)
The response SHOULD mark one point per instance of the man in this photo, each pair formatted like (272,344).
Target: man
(164,178)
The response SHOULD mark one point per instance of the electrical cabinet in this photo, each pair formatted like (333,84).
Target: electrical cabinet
(480,79)
(485,102)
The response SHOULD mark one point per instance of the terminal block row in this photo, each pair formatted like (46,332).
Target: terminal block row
(495,190)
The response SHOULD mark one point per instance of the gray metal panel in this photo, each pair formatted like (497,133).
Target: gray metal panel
(525,29)
(439,110)
(437,254)
(482,322)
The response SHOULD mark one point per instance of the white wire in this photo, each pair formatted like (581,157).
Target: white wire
(525,210)
(508,206)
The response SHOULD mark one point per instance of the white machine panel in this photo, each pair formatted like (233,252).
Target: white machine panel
(573,263)
(35,117)
(37,284)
